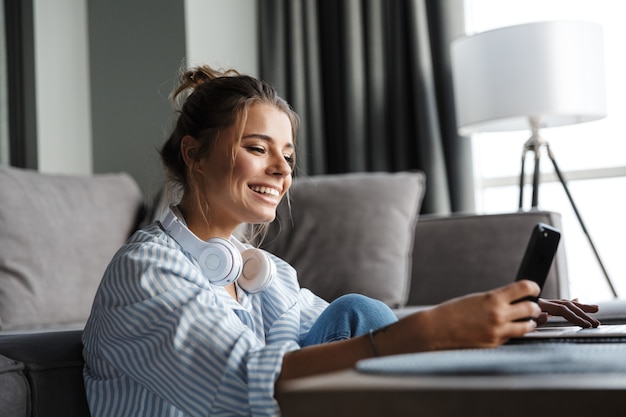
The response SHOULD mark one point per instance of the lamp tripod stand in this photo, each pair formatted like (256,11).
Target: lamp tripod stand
(534,145)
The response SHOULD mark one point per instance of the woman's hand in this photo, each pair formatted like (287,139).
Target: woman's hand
(482,320)
(571,310)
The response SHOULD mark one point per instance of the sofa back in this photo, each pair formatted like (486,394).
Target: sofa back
(461,254)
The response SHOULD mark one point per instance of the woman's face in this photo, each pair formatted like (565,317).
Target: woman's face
(261,174)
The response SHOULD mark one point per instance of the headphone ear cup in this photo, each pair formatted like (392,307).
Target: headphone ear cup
(220,261)
(257,272)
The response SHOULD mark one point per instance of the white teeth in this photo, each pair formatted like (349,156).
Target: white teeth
(264,190)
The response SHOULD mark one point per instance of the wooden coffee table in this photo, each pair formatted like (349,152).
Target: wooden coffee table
(350,393)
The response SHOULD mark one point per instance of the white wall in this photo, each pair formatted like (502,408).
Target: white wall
(222,34)
(62,86)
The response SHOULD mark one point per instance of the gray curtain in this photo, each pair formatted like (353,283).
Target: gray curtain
(371,82)
(19,89)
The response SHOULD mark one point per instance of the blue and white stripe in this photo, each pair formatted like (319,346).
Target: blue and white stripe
(162,341)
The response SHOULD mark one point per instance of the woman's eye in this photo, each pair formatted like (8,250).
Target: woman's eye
(290,159)
(256,149)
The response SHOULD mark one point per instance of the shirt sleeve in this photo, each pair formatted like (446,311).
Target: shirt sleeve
(310,305)
(158,322)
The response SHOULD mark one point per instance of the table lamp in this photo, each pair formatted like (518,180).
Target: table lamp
(531,76)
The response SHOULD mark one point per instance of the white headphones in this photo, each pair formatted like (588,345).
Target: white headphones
(222,261)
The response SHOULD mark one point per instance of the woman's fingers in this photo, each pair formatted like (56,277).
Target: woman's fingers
(571,310)
(518,290)
(520,328)
(515,296)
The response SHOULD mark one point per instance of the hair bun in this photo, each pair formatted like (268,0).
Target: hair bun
(193,78)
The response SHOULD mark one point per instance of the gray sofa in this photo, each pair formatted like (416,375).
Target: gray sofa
(344,233)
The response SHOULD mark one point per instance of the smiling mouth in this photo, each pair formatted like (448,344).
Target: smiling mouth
(265,190)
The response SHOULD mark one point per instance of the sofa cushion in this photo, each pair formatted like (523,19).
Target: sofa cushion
(350,233)
(57,234)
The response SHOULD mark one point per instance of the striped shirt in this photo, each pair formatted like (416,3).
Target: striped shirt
(162,341)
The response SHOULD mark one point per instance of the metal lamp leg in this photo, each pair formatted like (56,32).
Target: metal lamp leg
(580,220)
(533,144)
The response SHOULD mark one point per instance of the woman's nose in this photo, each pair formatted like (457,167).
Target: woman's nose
(280,166)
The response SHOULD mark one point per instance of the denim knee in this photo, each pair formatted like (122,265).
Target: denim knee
(348,316)
(364,313)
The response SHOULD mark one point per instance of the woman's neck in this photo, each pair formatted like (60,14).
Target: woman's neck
(201,224)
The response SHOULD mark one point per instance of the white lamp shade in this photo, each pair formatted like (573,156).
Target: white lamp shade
(550,71)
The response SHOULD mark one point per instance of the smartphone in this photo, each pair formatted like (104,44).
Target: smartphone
(539,254)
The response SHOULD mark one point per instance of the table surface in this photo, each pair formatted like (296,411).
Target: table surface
(349,393)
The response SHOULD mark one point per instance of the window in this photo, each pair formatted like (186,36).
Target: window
(592,156)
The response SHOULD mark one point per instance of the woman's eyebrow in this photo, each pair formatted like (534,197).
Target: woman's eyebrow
(265,138)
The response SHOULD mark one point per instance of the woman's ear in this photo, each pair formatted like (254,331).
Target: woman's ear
(189,150)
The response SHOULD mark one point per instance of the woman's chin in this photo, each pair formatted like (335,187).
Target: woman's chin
(265,218)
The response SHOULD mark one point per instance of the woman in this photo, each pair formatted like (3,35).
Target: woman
(175,330)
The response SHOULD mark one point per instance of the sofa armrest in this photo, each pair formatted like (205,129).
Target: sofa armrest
(46,370)
(461,254)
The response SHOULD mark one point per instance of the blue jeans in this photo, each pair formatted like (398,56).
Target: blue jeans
(349,316)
